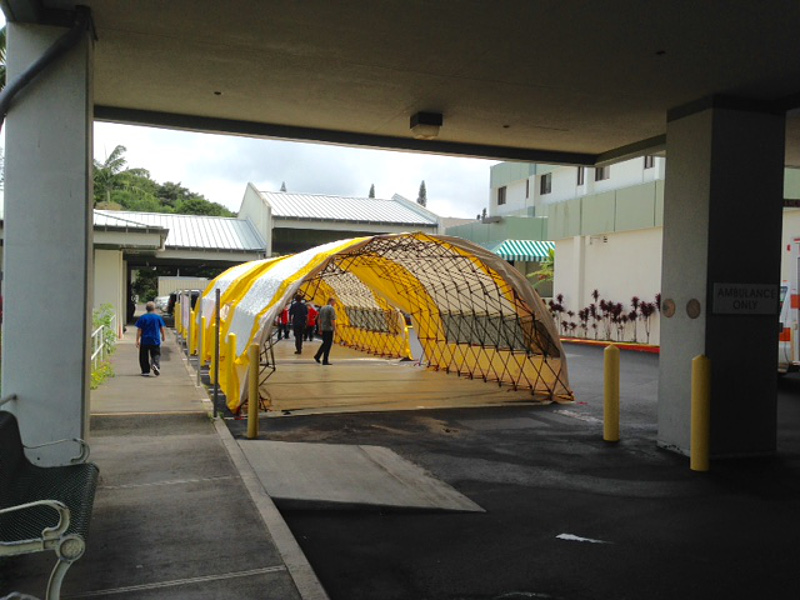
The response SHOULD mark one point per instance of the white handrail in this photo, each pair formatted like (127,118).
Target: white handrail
(99,345)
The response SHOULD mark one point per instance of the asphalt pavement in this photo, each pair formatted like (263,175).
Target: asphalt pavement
(568,516)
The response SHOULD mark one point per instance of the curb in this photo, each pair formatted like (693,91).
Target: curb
(621,345)
(300,570)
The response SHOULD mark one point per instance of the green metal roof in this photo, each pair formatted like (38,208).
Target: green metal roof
(522,250)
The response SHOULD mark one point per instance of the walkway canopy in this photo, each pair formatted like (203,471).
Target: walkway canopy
(523,250)
(474,314)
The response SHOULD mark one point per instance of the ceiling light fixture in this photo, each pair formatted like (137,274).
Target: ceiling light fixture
(425,125)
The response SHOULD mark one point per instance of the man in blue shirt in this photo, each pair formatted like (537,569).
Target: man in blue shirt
(149,335)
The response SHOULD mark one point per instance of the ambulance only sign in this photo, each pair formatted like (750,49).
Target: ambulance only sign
(745,299)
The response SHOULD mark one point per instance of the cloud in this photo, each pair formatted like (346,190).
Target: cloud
(219,167)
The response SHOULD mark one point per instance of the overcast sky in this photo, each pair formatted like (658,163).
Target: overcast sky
(219,167)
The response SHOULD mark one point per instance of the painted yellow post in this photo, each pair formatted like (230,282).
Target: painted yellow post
(701,414)
(611,394)
(252,392)
(176,314)
(230,365)
(192,334)
(201,343)
(211,364)
(407,335)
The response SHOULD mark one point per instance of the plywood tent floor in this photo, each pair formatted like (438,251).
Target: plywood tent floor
(474,315)
(357,381)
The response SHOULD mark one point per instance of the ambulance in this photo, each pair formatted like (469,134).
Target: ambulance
(788,333)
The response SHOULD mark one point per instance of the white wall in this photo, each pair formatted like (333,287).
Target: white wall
(624,174)
(256,210)
(109,283)
(627,264)
(515,200)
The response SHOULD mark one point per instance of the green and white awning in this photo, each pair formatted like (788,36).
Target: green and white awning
(522,250)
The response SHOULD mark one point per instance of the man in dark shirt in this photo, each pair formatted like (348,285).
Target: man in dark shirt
(298,313)
(327,326)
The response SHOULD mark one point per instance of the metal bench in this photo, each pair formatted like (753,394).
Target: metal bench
(44,508)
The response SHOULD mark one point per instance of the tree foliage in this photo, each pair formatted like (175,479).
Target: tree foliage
(118,187)
(546,269)
(146,284)
(372,191)
(422,198)
(2,57)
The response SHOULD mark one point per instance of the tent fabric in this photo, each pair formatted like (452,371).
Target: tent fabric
(474,314)
(523,250)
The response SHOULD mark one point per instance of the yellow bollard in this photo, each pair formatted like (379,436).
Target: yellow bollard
(211,365)
(192,334)
(176,319)
(611,394)
(252,389)
(201,343)
(701,414)
(230,365)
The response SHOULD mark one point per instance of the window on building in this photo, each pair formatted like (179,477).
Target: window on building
(649,162)
(527,188)
(501,196)
(546,184)
(601,173)
(581,175)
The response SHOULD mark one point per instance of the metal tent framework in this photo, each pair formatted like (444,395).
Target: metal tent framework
(474,315)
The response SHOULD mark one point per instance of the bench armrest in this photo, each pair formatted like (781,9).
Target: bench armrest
(80,458)
(48,533)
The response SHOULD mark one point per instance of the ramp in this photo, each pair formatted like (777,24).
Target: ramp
(346,477)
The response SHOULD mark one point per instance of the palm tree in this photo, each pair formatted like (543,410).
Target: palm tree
(112,174)
(546,269)
(2,57)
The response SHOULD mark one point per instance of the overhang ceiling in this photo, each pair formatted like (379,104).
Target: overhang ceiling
(549,81)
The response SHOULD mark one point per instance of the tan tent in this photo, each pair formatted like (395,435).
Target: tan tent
(474,314)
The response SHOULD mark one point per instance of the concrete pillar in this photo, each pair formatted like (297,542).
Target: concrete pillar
(48,239)
(722,225)
(578,283)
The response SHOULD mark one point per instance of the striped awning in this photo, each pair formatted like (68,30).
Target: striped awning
(522,250)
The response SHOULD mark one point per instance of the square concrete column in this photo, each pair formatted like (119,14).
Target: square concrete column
(47,260)
(722,237)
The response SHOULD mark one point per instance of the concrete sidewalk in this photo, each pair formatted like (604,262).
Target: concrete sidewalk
(179,512)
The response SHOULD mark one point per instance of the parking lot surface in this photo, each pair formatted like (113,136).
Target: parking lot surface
(567,515)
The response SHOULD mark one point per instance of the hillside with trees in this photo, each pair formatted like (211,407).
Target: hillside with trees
(118,187)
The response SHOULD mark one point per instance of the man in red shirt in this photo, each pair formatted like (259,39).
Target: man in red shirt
(311,323)
(283,324)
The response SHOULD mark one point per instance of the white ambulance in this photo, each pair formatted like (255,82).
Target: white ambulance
(789,328)
(788,355)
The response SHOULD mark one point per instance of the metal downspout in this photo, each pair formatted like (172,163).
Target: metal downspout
(59,48)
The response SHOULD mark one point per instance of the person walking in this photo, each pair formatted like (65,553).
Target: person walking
(283,323)
(298,313)
(311,324)
(149,335)
(327,326)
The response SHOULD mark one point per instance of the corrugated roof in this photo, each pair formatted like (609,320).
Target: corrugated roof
(197,232)
(343,208)
(112,220)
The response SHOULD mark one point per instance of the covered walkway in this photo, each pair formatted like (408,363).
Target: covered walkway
(174,516)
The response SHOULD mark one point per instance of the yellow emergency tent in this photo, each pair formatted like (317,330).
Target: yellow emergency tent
(474,314)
